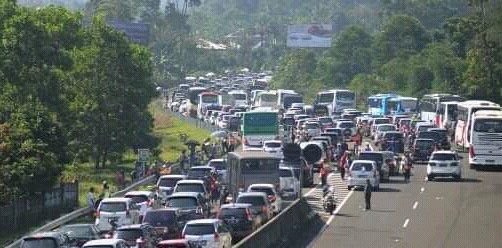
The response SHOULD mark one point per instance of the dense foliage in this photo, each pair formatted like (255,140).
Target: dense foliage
(69,93)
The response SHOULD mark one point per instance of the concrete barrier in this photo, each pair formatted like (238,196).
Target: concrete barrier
(281,228)
(81,211)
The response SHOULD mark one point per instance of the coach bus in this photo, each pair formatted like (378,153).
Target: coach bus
(193,97)
(465,111)
(257,127)
(448,114)
(485,148)
(337,100)
(267,99)
(382,104)
(429,106)
(206,99)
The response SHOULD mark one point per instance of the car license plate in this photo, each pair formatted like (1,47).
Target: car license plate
(490,161)
(200,242)
(362,176)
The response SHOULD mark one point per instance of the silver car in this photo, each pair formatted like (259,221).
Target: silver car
(360,171)
(444,164)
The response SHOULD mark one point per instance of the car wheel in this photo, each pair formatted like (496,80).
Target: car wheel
(349,187)
(430,177)
(457,178)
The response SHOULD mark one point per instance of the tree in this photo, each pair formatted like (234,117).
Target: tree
(365,85)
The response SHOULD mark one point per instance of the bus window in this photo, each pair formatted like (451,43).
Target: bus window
(259,166)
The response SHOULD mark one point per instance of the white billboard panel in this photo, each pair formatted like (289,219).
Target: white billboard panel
(310,35)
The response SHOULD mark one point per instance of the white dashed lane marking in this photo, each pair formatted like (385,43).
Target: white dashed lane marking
(415,205)
(406,222)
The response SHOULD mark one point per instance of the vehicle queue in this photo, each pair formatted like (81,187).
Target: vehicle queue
(283,141)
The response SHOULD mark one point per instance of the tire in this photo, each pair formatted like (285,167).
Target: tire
(472,166)
(430,177)
(349,187)
(457,178)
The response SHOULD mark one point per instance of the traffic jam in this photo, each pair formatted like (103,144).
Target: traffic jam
(269,145)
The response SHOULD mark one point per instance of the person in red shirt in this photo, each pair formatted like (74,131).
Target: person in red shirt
(343,164)
(324,175)
(358,139)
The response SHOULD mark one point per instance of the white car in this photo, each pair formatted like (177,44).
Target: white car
(289,185)
(166,184)
(122,210)
(360,171)
(207,233)
(143,199)
(273,196)
(444,164)
(183,106)
(273,147)
(382,128)
(108,243)
(223,123)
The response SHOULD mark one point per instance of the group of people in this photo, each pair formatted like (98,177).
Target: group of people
(92,202)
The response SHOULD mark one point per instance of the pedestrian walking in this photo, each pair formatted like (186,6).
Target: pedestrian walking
(106,190)
(324,175)
(183,159)
(98,201)
(367,194)
(224,196)
(344,160)
(90,198)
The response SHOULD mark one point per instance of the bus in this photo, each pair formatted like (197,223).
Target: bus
(193,97)
(447,114)
(290,99)
(382,104)
(267,99)
(429,106)
(254,96)
(257,127)
(407,104)
(240,98)
(280,97)
(486,144)
(206,99)
(246,168)
(465,110)
(337,100)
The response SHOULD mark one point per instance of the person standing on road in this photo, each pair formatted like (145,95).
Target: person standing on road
(344,160)
(90,198)
(358,139)
(367,194)
(324,175)
(183,160)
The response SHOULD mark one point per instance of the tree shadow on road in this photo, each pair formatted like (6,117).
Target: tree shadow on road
(462,180)
(489,169)
(388,190)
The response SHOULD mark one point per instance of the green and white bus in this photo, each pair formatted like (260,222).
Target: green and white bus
(257,127)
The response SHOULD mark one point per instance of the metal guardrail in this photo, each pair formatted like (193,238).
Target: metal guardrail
(80,212)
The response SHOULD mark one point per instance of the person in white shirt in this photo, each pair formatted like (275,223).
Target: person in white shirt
(90,198)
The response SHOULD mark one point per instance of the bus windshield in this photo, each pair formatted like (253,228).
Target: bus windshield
(374,103)
(326,97)
(345,96)
(260,123)
(408,105)
(259,166)
(488,126)
(268,97)
(239,96)
(210,99)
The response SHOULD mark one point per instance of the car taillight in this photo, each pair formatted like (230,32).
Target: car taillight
(216,236)
(245,141)
(249,215)
(265,209)
(472,154)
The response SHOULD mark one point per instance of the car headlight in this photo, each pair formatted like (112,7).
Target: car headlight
(432,164)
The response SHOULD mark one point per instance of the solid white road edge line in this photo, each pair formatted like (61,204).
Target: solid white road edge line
(312,243)
(415,205)
(406,222)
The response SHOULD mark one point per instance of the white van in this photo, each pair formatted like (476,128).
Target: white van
(119,209)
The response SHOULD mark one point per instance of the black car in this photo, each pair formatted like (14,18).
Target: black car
(239,217)
(337,131)
(392,140)
(167,222)
(79,234)
(385,162)
(442,137)
(422,149)
(46,240)
(192,205)
(142,235)
(234,124)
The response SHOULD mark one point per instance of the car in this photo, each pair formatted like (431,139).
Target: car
(380,129)
(422,149)
(202,172)
(106,243)
(392,141)
(144,199)
(79,234)
(166,184)
(385,161)
(191,204)
(442,137)
(348,127)
(54,239)
(297,165)
(316,165)
(260,204)
(167,222)
(311,129)
(273,196)
(197,186)
(223,123)
(423,126)
(377,121)
(208,233)
(444,164)
(330,151)
(221,167)
(137,236)
(326,122)
(239,217)
(175,243)
(289,184)
(274,147)
(360,171)
(120,209)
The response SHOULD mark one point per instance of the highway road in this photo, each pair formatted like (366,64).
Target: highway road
(441,213)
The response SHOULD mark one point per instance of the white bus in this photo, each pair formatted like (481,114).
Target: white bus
(280,97)
(205,99)
(193,97)
(337,100)
(486,143)
(429,106)
(240,98)
(448,114)
(465,110)
(254,96)
(267,99)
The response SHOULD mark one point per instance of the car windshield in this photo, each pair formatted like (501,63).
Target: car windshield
(199,229)
(233,212)
(377,157)
(112,207)
(168,182)
(199,172)
(137,198)
(444,156)
(39,242)
(218,165)
(253,200)
(160,218)
(273,145)
(362,167)
(391,136)
(129,234)
(181,202)
(347,125)
(381,121)
(285,173)
(190,187)
(77,231)
(428,135)
(265,190)
(326,120)
(311,126)
(424,143)
(386,128)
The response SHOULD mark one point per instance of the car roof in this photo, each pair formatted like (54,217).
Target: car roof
(103,242)
(262,185)
(272,141)
(184,194)
(444,152)
(190,181)
(202,167)
(173,242)
(217,160)
(173,176)
(134,226)
(139,193)
(236,205)
(252,194)
(203,221)
(54,234)
(116,199)
(364,161)
(423,139)
(285,168)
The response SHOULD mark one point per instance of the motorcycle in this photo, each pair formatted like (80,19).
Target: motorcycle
(329,199)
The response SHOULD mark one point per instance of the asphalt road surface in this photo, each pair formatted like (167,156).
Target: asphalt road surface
(440,213)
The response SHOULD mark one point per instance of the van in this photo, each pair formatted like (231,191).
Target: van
(121,210)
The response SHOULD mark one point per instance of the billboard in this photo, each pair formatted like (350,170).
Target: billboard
(310,35)
(137,32)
